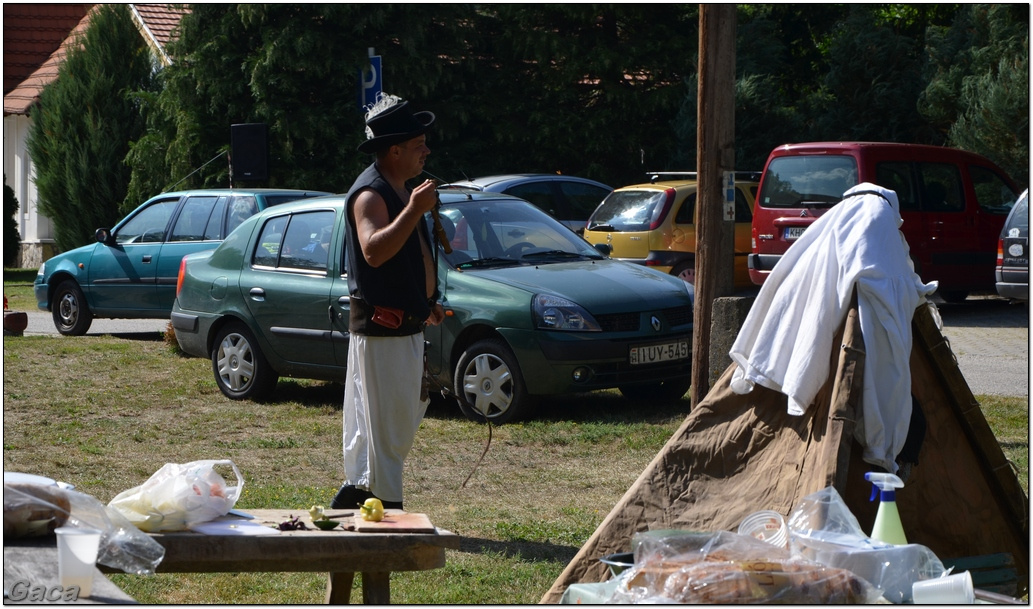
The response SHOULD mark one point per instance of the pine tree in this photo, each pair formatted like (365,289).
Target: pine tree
(978,84)
(83,124)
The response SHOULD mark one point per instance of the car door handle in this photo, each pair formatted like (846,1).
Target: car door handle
(344,301)
(257,293)
(146,259)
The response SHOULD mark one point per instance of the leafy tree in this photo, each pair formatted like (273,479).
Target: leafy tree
(497,77)
(813,72)
(203,92)
(871,82)
(767,111)
(83,124)
(591,89)
(296,69)
(12,240)
(603,91)
(978,84)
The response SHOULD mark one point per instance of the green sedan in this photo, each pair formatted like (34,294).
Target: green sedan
(531,309)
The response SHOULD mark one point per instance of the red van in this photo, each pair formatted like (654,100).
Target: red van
(953,203)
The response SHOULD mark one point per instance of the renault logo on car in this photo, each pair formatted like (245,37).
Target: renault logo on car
(655,322)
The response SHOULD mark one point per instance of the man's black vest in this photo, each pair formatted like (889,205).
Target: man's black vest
(400,282)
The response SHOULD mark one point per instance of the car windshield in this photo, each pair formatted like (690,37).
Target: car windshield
(506,233)
(806,181)
(626,210)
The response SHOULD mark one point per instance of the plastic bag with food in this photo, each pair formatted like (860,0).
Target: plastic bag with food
(823,529)
(728,568)
(179,496)
(34,510)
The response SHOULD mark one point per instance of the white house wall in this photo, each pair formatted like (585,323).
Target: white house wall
(37,231)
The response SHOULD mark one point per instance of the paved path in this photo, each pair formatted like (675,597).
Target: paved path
(989,336)
(41,323)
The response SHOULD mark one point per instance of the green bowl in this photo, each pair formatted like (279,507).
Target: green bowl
(326,525)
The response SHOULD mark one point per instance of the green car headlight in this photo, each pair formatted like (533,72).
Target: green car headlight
(556,313)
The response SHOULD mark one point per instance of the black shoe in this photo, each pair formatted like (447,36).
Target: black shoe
(349,497)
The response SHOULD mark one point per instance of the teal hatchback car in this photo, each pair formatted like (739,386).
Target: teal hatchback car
(131,271)
(531,309)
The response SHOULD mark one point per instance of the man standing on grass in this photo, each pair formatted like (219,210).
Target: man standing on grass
(392,281)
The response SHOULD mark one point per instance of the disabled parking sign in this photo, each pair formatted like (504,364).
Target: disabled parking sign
(370,81)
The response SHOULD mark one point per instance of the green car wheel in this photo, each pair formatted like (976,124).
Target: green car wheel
(489,384)
(241,371)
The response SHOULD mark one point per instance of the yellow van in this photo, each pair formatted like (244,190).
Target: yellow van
(653,224)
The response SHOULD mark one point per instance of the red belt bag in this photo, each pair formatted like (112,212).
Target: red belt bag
(375,320)
(388,317)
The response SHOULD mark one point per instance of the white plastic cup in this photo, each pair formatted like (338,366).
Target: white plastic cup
(947,590)
(766,525)
(77,557)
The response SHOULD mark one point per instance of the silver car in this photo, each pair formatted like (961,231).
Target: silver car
(569,199)
(1013,252)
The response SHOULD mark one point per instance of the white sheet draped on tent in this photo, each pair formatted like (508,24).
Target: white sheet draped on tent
(785,340)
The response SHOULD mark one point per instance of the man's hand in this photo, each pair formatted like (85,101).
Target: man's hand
(437,314)
(424,197)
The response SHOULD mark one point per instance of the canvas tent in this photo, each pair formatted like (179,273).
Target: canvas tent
(737,454)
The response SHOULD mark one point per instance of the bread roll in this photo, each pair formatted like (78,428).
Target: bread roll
(749,581)
(33,510)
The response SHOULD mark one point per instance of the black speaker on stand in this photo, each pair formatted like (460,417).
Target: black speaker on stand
(249,152)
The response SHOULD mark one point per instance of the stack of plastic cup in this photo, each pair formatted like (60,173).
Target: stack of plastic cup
(766,525)
(77,557)
(947,590)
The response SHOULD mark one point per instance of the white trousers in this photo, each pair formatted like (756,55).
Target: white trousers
(382,410)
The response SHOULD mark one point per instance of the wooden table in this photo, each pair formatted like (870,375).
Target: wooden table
(340,552)
(30,564)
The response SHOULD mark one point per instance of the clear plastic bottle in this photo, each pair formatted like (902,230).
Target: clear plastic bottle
(887,527)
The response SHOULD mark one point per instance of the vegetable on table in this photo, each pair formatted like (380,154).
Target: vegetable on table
(372,510)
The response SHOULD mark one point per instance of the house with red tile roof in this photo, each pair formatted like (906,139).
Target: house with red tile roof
(36,41)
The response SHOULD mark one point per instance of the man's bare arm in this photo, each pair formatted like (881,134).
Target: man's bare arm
(379,238)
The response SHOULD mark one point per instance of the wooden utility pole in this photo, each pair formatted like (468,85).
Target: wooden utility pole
(715,156)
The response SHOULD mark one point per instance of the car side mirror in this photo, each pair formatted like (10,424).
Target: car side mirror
(603,248)
(103,235)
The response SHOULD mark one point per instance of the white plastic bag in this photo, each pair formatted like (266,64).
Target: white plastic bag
(178,496)
(823,529)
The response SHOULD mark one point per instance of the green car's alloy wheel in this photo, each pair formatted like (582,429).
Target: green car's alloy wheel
(72,316)
(488,381)
(241,371)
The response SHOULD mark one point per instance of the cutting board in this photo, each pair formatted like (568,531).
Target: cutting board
(396,522)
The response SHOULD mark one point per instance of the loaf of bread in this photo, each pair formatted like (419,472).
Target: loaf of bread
(33,510)
(714,581)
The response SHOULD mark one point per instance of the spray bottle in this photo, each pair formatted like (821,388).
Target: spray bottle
(887,527)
